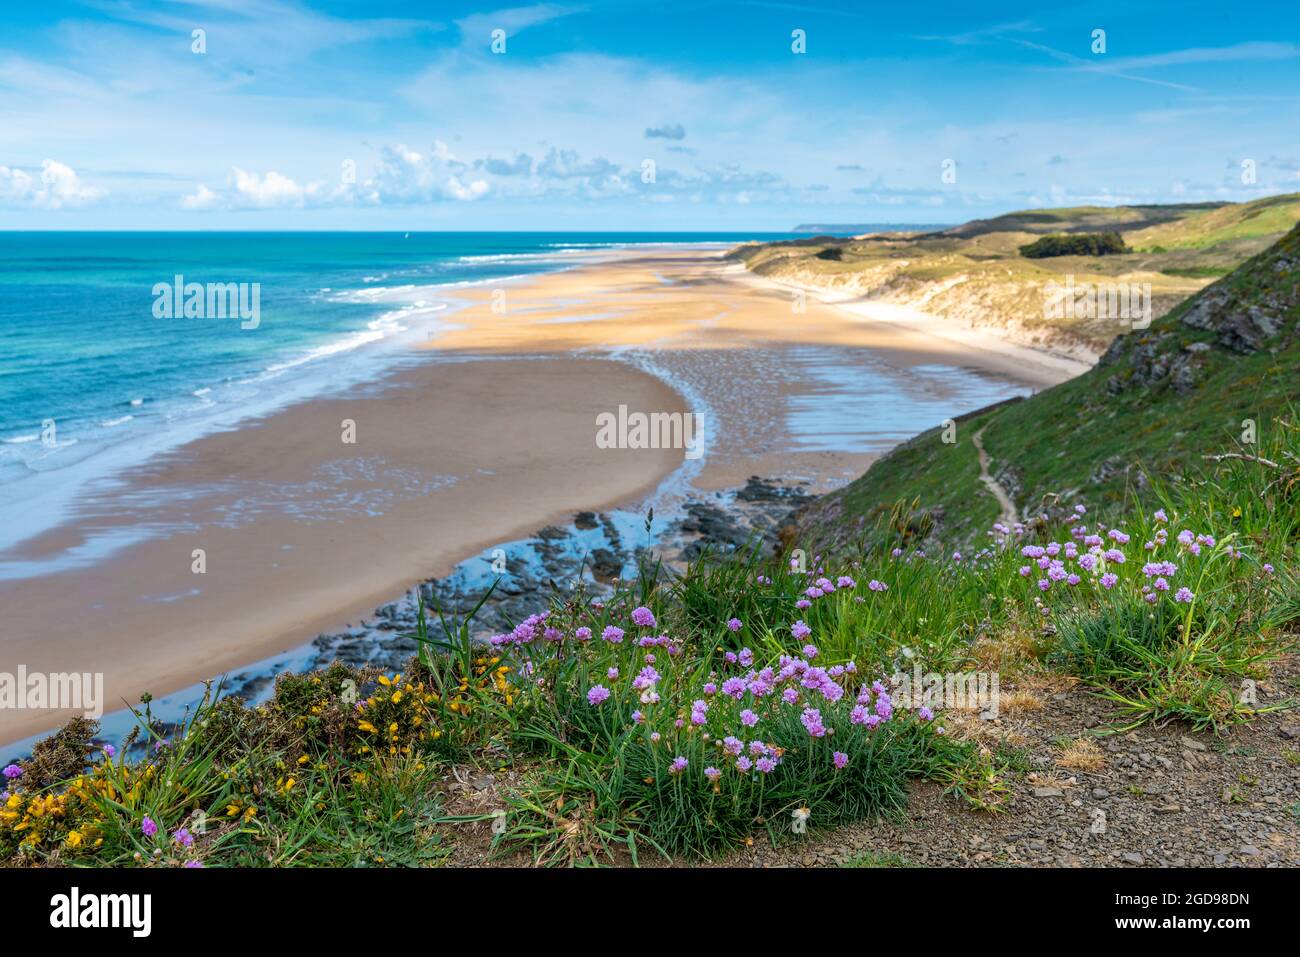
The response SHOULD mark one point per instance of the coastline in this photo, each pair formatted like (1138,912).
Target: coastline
(302,534)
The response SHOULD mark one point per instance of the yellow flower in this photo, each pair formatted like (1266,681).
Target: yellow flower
(74,839)
(397,697)
(304,759)
(383,680)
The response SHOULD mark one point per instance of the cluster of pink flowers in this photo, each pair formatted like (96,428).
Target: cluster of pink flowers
(1099,552)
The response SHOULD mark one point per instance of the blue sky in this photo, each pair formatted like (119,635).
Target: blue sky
(398,115)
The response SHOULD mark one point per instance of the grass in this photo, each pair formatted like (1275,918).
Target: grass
(876,859)
(1081,754)
(1267,218)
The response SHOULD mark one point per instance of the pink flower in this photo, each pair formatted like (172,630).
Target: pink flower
(812,721)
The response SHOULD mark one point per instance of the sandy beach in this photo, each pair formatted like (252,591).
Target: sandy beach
(485,434)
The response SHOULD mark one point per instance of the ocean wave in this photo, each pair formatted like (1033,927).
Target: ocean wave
(397,293)
(629,245)
(510,257)
(381,328)
(113,423)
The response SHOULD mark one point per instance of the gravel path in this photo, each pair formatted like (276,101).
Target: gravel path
(1009,513)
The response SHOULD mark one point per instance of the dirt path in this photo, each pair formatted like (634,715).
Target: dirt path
(1009,514)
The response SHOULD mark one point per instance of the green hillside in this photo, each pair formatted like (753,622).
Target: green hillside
(976,274)
(1158,401)
(1226,224)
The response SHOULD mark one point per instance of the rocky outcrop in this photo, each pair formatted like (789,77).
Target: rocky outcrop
(1247,311)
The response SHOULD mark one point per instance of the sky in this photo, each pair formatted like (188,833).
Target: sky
(611,115)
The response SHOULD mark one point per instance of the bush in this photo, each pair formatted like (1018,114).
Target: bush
(1075,244)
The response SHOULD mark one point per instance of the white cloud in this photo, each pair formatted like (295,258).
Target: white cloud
(461,191)
(477,27)
(404,176)
(57,186)
(273,189)
(201,198)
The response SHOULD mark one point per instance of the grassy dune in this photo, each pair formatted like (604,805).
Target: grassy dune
(974,274)
(1261,221)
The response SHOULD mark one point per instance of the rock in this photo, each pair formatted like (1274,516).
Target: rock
(1168,809)
(1247,332)
(605,564)
(1100,793)
(1248,850)
(1182,373)
(1192,744)
(1133,857)
(1290,731)
(1048,792)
